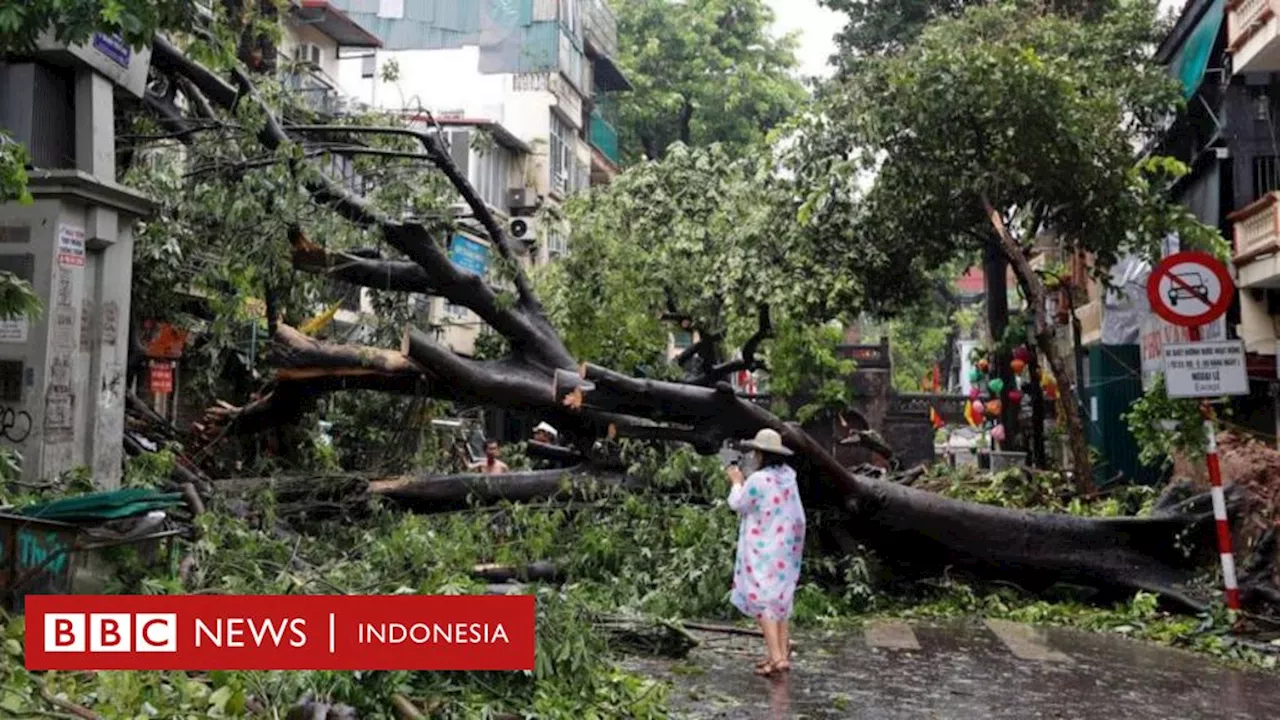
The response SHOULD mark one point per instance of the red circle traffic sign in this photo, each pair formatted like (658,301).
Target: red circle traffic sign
(1190,289)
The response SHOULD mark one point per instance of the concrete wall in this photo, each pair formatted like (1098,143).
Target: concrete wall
(69,364)
(295,35)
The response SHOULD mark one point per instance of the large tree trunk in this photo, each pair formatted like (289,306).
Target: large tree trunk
(1039,457)
(994,266)
(452,492)
(1033,287)
(540,375)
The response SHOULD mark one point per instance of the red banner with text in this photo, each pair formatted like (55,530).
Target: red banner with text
(285,632)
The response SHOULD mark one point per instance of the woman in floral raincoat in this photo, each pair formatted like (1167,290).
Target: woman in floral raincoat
(770,545)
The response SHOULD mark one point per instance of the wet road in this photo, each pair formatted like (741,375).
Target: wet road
(972,669)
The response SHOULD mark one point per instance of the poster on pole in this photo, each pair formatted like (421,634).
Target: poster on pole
(1205,369)
(70,246)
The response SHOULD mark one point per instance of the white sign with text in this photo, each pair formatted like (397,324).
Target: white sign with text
(1156,333)
(1205,369)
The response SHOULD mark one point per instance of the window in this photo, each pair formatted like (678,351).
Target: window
(460,149)
(561,149)
(557,244)
(1266,175)
(11,372)
(569,16)
(491,175)
(393,9)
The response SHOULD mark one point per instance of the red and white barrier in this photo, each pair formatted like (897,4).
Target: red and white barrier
(1220,517)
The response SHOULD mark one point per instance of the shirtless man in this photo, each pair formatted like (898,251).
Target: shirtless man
(491,465)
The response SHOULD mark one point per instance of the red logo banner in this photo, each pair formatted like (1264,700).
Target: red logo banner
(279,632)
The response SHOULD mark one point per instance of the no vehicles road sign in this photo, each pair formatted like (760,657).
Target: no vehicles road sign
(1190,289)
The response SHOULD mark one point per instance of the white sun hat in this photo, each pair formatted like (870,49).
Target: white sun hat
(767,441)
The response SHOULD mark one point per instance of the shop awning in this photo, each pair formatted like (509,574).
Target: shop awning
(1192,59)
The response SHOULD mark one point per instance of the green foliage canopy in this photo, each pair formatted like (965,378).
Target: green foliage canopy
(703,71)
(1039,114)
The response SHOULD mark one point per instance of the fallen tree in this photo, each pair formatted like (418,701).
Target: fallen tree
(539,374)
(451,492)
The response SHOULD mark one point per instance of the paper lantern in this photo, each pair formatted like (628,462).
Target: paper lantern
(1015,396)
(997,433)
(984,365)
(996,385)
(1018,366)
(975,375)
(973,393)
(994,407)
(1022,353)
(977,407)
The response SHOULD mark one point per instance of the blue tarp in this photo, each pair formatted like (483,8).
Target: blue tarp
(1191,60)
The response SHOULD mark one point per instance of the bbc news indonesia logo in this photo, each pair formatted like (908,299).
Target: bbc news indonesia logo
(292,632)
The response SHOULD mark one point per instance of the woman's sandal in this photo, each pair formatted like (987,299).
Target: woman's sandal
(769,669)
(790,651)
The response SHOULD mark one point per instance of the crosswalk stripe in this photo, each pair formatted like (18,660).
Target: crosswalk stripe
(1025,642)
(890,634)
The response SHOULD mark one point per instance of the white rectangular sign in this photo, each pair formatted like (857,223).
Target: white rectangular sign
(1156,333)
(70,246)
(1205,369)
(13,331)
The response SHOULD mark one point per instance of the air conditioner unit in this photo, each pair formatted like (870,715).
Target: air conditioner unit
(524,229)
(310,53)
(522,198)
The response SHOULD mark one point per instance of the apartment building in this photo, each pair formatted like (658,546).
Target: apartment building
(315,34)
(524,91)
(1227,56)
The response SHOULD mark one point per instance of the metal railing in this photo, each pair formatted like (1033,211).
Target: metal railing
(604,137)
(317,93)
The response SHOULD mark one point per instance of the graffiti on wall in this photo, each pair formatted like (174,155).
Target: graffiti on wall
(110,322)
(15,425)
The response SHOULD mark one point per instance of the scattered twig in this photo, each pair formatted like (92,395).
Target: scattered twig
(77,710)
(727,629)
(405,710)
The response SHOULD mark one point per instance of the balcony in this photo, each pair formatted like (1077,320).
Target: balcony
(604,137)
(600,27)
(1253,35)
(315,90)
(1256,236)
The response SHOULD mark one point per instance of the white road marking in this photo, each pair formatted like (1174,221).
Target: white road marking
(890,634)
(1025,642)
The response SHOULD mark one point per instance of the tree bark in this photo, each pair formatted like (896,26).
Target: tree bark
(1082,461)
(686,122)
(455,492)
(1039,457)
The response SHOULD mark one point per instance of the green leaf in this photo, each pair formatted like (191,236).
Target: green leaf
(220,697)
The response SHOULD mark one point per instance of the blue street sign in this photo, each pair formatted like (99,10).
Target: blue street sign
(114,47)
(469,255)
